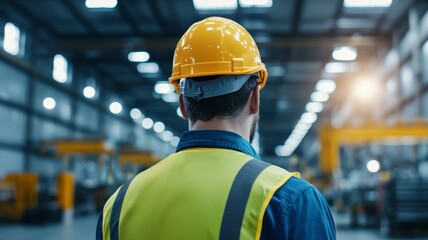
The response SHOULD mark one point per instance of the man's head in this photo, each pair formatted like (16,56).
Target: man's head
(218,71)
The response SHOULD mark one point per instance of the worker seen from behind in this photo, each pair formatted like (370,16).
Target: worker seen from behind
(215,186)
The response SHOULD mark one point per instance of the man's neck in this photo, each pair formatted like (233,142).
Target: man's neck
(224,124)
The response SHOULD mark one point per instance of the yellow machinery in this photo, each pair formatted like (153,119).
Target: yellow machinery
(331,138)
(136,158)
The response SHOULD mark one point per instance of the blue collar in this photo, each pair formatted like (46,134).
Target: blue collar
(216,139)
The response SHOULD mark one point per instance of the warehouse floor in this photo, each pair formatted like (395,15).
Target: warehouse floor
(83,228)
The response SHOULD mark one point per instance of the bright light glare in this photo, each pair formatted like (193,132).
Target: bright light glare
(309,117)
(336,67)
(179,112)
(167,136)
(314,107)
(11,39)
(163,87)
(365,89)
(135,113)
(215,4)
(175,140)
(159,127)
(115,107)
(101,3)
(255,3)
(345,53)
(60,68)
(367,3)
(147,123)
(148,67)
(170,98)
(326,86)
(300,132)
(319,97)
(138,56)
(302,125)
(89,92)
(49,103)
(373,166)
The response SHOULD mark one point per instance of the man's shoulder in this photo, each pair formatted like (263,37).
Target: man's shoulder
(293,189)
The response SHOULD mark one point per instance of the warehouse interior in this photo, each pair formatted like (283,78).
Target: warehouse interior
(85,105)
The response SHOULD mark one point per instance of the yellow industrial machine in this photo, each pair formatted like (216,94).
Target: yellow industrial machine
(137,159)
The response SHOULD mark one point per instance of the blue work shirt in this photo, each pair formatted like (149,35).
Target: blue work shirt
(297,210)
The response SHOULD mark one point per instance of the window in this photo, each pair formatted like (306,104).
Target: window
(11,39)
(60,68)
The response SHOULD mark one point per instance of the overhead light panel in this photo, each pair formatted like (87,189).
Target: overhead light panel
(60,68)
(215,4)
(115,107)
(167,136)
(319,97)
(170,98)
(135,113)
(326,86)
(309,117)
(175,140)
(314,107)
(367,3)
(159,127)
(139,56)
(345,53)
(163,87)
(49,103)
(89,92)
(148,67)
(255,3)
(336,67)
(373,166)
(147,123)
(11,39)
(101,3)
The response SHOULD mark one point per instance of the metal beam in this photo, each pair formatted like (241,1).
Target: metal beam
(79,17)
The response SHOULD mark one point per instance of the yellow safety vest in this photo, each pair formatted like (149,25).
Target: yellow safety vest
(199,193)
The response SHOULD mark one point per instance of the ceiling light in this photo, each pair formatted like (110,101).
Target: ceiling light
(309,117)
(326,86)
(175,140)
(314,107)
(367,3)
(179,112)
(336,67)
(101,3)
(11,39)
(167,136)
(345,53)
(147,123)
(60,68)
(135,113)
(163,87)
(255,3)
(148,67)
(319,97)
(159,127)
(49,103)
(170,98)
(300,132)
(365,89)
(215,5)
(138,56)
(303,125)
(115,107)
(373,166)
(89,92)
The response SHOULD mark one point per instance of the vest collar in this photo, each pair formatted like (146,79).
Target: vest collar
(216,139)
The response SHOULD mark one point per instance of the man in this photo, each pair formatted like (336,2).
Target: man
(215,186)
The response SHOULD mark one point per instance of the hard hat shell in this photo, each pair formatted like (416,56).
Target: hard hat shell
(216,46)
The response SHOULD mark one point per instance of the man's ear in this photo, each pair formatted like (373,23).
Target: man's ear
(182,107)
(255,100)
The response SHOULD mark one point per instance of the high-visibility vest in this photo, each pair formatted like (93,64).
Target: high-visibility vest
(199,193)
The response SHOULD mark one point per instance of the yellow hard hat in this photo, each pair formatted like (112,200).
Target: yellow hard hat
(216,46)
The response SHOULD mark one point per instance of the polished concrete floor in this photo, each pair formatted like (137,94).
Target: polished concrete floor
(83,228)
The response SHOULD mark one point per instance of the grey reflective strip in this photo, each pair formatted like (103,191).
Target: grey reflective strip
(212,88)
(115,211)
(236,204)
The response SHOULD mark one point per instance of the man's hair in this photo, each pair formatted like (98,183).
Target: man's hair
(228,105)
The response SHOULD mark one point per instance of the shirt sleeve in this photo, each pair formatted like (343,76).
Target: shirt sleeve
(99,231)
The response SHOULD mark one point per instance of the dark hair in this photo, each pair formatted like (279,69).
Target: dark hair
(228,105)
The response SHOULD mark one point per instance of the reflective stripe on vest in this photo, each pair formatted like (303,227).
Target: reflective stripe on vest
(233,209)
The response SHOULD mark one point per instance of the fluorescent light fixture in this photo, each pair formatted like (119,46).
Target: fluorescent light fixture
(366,89)
(147,123)
(115,107)
(148,67)
(300,132)
(367,3)
(135,113)
(49,103)
(326,86)
(163,87)
(215,4)
(138,56)
(303,125)
(89,92)
(336,67)
(159,127)
(60,68)
(309,117)
(101,3)
(167,136)
(175,140)
(345,53)
(11,39)
(255,3)
(314,107)
(179,112)
(170,98)
(319,97)
(373,166)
